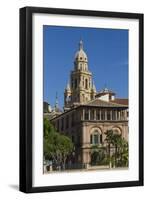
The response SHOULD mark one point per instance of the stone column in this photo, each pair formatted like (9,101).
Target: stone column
(119,115)
(85,149)
(94,114)
(89,113)
(116,115)
(83,114)
(100,114)
(125,115)
(110,114)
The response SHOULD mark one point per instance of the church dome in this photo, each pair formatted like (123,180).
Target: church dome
(80,54)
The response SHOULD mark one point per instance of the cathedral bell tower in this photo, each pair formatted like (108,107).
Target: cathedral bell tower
(81,88)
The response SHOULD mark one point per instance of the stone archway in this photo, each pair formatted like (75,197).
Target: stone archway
(117,130)
(97,152)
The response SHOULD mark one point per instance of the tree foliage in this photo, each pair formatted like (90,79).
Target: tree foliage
(57,147)
(119,156)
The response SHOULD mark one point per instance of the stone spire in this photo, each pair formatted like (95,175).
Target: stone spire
(93,87)
(56,101)
(81,45)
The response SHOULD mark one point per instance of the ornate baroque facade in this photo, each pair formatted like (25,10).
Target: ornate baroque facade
(88,114)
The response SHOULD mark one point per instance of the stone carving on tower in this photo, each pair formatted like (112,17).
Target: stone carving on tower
(81,88)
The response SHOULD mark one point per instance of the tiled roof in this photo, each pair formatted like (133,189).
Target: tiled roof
(121,101)
(101,103)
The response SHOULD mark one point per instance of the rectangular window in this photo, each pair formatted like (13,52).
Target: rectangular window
(103,114)
(95,139)
(92,115)
(108,115)
(127,114)
(86,115)
(97,115)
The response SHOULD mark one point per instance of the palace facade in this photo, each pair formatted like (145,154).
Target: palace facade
(88,114)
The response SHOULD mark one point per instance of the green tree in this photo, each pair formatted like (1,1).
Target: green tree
(65,148)
(120,148)
(109,140)
(98,155)
(57,147)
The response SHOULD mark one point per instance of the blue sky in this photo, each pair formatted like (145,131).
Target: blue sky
(107,51)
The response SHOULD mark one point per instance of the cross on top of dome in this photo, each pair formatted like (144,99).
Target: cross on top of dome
(80,54)
(80,45)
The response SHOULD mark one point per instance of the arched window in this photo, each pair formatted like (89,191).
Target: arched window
(116,131)
(86,83)
(96,138)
